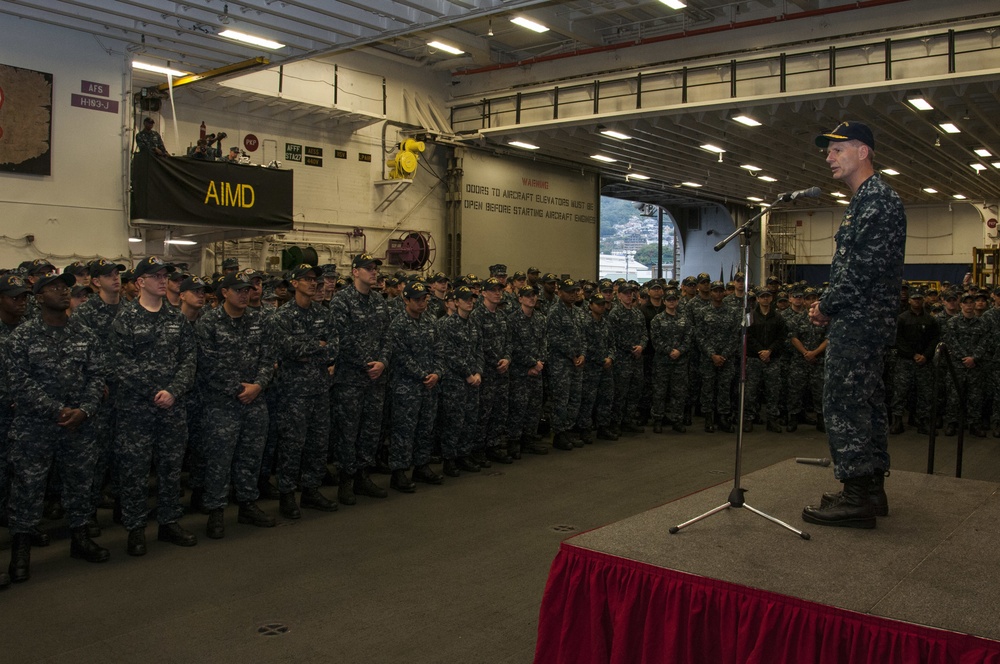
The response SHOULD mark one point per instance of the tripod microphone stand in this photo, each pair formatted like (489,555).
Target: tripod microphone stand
(736,498)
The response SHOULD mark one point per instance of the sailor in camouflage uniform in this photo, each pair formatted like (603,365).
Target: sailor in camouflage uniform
(565,367)
(766,339)
(917,334)
(597,391)
(966,337)
(306,351)
(413,385)
(53,364)
(860,305)
(359,318)
(806,367)
(529,353)
(717,333)
(628,341)
(490,444)
(234,367)
(460,351)
(670,332)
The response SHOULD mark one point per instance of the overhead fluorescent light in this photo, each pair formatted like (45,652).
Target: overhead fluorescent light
(182,242)
(674,4)
(636,176)
(529,24)
(976,166)
(995,164)
(930,190)
(751,168)
(746,120)
(843,202)
(522,144)
(838,194)
(712,148)
(950,128)
(959,197)
(251,39)
(890,171)
(767,178)
(135,239)
(755,199)
(691,184)
(444,47)
(605,159)
(616,134)
(145,66)
(983,152)
(920,104)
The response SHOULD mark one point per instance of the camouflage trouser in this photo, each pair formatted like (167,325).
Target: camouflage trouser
(358,412)
(694,376)
(628,388)
(597,393)
(670,378)
(104,431)
(196,441)
(525,406)
(854,408)
(303,435)
(458,408)
(805,378)
(716,386)
(414,411)
(645,401)
(906,376)
(144,432)
(762,377)
(494,395)
(993,385)
(972,381)
(34,447)
(566,382)
(5,420)
(234,436)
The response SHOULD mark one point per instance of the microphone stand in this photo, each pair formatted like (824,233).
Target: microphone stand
(736,498)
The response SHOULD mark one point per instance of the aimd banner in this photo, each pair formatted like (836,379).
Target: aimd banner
(210,193)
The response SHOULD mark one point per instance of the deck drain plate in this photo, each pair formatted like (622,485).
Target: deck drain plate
(272,629)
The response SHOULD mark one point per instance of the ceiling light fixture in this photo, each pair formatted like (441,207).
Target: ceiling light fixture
(751,168)
(890,171)
(950,128)
(522,144)
(251,39)
(692,184)
(181,242)
(637,176)
(995,164)
(755,199)
(838,194)
(145,66)
(712,148)
(930,190)
(616,134)
(977,167)
(767,178)
(843,202)
(674,4)
(982,152)
(920,103)
(745,120)
(959,197)
(444,47)
(529,24)
(604,158)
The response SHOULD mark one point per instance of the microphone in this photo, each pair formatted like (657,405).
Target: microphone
(811,192)
(813,462)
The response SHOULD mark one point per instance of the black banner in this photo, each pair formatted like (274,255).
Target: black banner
(210,193)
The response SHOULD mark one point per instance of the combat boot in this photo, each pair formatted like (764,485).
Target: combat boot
(81,546)
(852,510)
(400,482)
(345,490)
(287,506)
(977,430)
(253,515)
(631,427)
(20,557)
(451,468)
(820,423)
(678,427)
(748,425)
(175,534)
(773,426)
(313,499)
(499,455)
(725,424)
(897,425)
(688,415)
(137,542)
(216,528)
(606,433)
(531,446)
(709,423)
(39,537)
(426,475)
(657,425)
(514,449)
(561,442)
(4,580)
(585,436)
(363,486)
(793,424)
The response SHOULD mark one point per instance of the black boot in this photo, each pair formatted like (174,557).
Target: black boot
(657,425)
(39,537)
(81,546)
(678,427)
(20,557)
(451,468)
(709,423)
(426,475)
(793,424)
(748,425)
(216,528)
(773,426)
(514,449)
(174,534)
(725,424)
(345,490)
(363,486)
(313,499)
(400,482)
(287,506)
(137,542)
(561,442)
(4,580)
(688,413)
(852,510)
(897,425)
(820,423)
(532,446)
(253,515)
(93,528)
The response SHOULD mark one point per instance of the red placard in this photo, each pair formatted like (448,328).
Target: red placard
(250,143)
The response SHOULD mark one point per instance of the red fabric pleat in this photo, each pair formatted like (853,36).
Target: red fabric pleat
(600,609)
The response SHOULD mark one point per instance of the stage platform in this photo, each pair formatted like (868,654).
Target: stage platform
(735,587)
